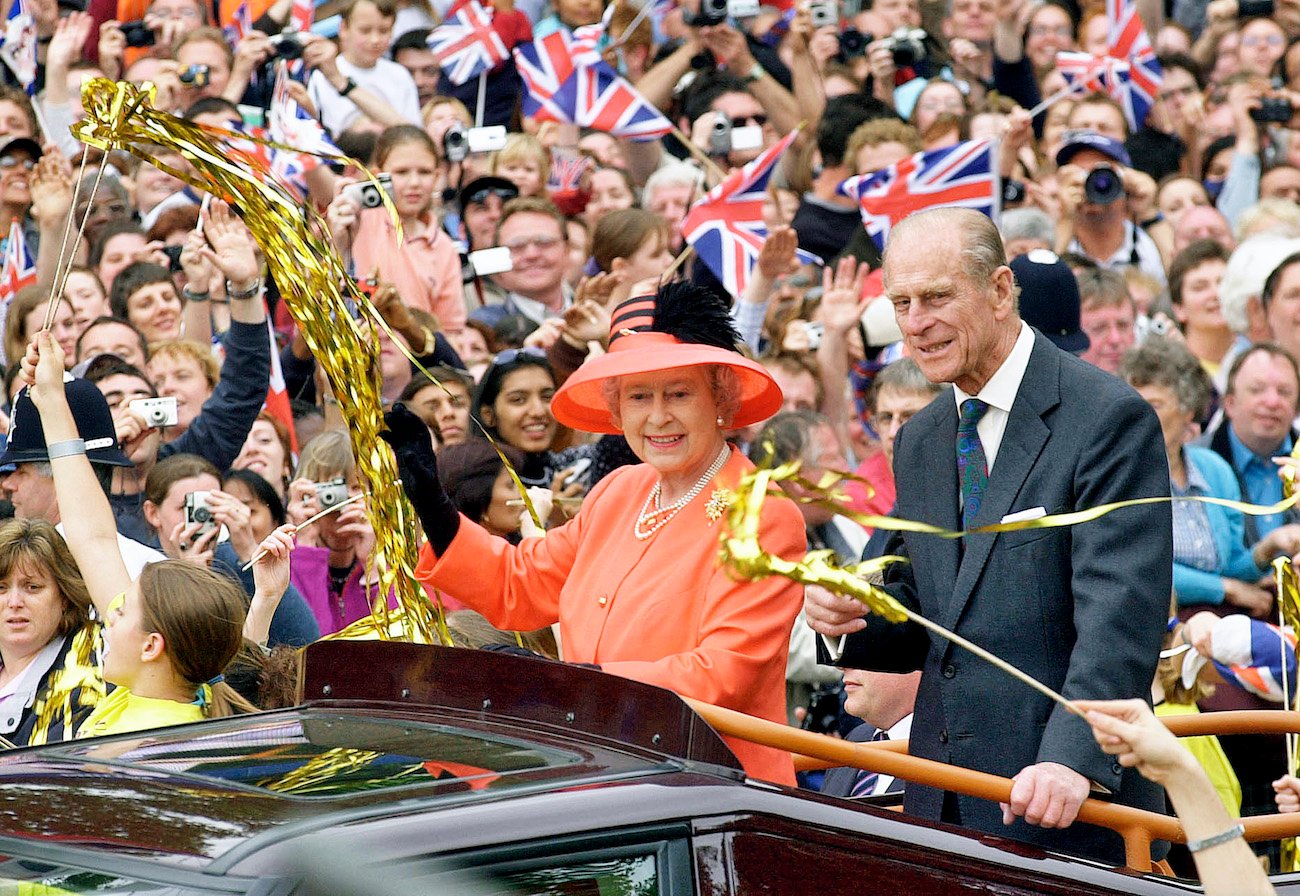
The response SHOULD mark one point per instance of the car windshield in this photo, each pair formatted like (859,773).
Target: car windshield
(320,755)
(43,879)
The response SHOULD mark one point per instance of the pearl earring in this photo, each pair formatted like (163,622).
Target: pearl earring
(719,419)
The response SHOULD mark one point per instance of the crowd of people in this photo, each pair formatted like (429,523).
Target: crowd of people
(1124,327)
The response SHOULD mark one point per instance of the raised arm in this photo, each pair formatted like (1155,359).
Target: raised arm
(88,524)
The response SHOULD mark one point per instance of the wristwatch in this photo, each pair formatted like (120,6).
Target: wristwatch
(755,73)
(348,87)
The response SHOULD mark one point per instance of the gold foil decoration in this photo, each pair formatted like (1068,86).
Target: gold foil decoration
(300,255)
(742,552)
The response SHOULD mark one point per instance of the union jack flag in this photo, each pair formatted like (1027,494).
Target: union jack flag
(466,44)
(567,80)
(18,45)
(289,123)
(726,227)
(239,26)
(1128,73)
(567,171)
(302,14)
(1129,41)
(962,175)
(18,270)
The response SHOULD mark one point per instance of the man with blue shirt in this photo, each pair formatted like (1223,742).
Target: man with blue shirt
(1262,400)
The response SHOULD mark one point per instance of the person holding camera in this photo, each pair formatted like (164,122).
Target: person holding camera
(359,63)
(425,267)
(1097,184)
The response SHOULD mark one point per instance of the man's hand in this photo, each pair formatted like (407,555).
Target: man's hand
(1047,794)
(233,251)
(830,614)
(729,47)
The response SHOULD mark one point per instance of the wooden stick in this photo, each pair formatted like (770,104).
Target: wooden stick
(304,524)
(57,287)
(677,262)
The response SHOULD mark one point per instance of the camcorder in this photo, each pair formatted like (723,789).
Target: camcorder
(724,137)
(459,142)
(1273,109)
(486,262)
(157,412)
(715,12)
(825,706)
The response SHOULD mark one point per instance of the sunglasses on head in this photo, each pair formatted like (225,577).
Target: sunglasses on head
(511,355)
(478,197)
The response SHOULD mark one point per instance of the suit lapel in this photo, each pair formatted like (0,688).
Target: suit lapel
(1022,444)
(935,487)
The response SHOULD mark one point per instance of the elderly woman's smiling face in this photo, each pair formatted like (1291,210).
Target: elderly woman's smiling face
(670,420)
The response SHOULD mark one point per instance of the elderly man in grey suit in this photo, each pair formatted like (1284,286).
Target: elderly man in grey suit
(1026,430)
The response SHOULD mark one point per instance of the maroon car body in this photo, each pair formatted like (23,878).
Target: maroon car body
(414,769)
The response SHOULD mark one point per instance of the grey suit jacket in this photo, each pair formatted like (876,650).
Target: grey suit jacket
(1081,609)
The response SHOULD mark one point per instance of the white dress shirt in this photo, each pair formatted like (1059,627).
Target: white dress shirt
(999,393)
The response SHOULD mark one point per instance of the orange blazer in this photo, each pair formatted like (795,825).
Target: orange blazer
(660,611)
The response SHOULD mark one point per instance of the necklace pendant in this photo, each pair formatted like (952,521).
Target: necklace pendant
(718,503)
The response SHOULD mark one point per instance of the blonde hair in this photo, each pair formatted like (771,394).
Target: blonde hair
(327,456)
(186,349)
(524,148)
(878,131)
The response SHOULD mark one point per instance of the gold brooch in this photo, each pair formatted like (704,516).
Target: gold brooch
(717,505)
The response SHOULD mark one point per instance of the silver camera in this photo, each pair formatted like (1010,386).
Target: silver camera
(157,412)
(367,195)
(197,511)
(332,493)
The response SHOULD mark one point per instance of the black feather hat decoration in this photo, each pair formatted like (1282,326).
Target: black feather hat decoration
(691,314)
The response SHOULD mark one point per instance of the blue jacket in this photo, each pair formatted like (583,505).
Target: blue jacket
(1196,586)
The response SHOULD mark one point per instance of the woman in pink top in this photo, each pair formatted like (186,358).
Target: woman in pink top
(425,266)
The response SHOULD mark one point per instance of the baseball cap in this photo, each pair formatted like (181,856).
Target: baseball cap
(27,144)
(479,188)
(1075,142)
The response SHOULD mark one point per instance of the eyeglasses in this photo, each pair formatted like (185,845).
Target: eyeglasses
(941,106)
(1064,31)
(511,355)
(1271,40)
(758,120)
(543,241)
(7,162)
(181,14)
(478,197)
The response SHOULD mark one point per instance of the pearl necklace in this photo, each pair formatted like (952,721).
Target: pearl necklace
(665,514)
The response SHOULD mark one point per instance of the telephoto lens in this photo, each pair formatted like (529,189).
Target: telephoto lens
(1103,185)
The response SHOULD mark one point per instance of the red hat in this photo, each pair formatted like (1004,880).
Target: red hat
(681,326)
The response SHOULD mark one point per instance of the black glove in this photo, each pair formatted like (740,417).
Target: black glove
(412,445)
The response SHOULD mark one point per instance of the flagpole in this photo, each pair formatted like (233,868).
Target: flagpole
(677,263)
(482,98)
(1054,99)
(710,166)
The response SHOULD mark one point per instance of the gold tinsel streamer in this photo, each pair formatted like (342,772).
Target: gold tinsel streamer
(742,552)
(301,257)
(1288,608)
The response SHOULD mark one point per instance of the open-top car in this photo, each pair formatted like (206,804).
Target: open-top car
(414,769)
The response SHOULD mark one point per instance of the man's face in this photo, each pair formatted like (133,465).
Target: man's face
(538,251)
(1283,312)
(119,390)
(481,219)
(1262,402)
(971,19)
(745,111)
(1202,223)
(951,325)
(671,203)
(1178,88)
(181,377)
(112,339)
(204,52)
(1103,118)
(894,407)
(1091,212)
(798,389)
(896,13)
(1281,183)
(423,66)
(32,494)
(1110,329)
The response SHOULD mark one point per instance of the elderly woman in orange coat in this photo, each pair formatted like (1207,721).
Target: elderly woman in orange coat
(634,579)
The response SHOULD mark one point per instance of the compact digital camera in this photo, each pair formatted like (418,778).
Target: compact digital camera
(157,412)
(367,195)
(332,493)
(197,511)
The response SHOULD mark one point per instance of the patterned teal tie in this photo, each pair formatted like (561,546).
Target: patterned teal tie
(972,465)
